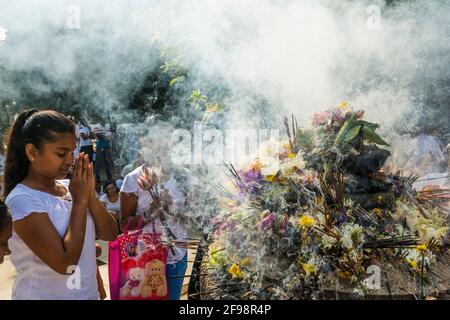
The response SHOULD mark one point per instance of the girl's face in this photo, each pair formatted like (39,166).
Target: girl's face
(54,159)
(110,189)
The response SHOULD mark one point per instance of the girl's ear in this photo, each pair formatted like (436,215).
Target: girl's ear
(31,151)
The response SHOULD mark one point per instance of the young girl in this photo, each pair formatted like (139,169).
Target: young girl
(110,198)
(55,222)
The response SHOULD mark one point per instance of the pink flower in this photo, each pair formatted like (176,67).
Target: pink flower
(320,118)
(267,221)
(284,223)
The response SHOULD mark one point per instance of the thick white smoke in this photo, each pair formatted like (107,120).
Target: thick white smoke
(300,56)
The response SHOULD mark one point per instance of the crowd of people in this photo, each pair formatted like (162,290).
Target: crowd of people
(56,204)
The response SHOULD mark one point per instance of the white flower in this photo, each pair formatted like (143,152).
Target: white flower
(270,149)
(352,235)
(346,241)
(272,167)
(435,227)
(328,242)
(289,165)
(321,220)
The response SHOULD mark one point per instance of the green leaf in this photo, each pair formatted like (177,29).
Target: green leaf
(197,96)
(352,133)
(346,127)
(305,139)
(173,81)
(372,136)
(370,125)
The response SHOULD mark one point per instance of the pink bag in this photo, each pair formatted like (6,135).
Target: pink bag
(137,266)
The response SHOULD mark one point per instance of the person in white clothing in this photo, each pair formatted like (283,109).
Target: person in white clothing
(85,139)
(152,191)
(55,222)
(110,198)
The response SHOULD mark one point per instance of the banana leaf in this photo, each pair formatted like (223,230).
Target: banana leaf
(372,136)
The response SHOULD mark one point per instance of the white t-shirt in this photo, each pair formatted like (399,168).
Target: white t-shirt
(84,142)
(111,206)
(35,280)
(130,185)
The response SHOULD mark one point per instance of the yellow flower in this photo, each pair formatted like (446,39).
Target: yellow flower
(309,268)
(235,271)
(216,256)
(378,211)
(271,178)
(421,247)
(213,261)
(291,155)
(245,262)
(256,165)
(306,221)
(380,199)
(286,145)
(344,106)
(413,263)
(230,202)
(345,274)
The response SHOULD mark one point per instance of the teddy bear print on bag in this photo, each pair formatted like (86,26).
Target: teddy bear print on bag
(131,287)
(154,283)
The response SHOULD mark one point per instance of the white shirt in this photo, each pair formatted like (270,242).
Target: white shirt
(130,185)
(35,280)
(110,206)
(84,142)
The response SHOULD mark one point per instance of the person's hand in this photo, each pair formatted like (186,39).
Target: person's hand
(93,191)
(81,185)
